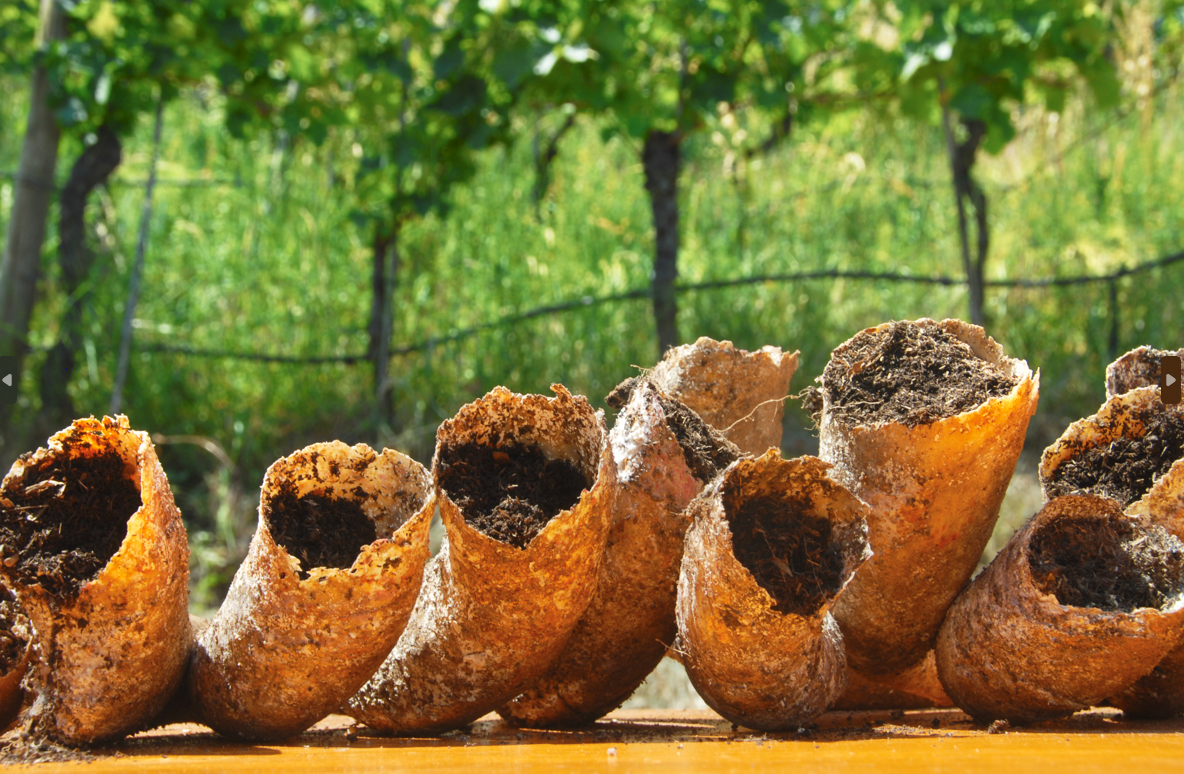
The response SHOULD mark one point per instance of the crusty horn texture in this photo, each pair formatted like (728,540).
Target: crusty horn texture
(1131,450)
(740,393)
(1120,452)
(96,553)
(934,477)
(1081,603)
(324,593)
(772,545)
(865,694)
(15,649)
(526,486)
(665,454)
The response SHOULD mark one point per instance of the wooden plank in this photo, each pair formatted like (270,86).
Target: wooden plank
(675,741)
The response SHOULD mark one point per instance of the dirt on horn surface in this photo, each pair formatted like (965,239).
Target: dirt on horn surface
(910,373)
(508,493)
(620,395)
(706,450)
(1108,563)
(318,530)
(789,552)
(66,520)
(12,643)
(1125,469)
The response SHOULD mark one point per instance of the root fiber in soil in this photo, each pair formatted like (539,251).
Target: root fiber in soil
(1107,563)
(788,551)
(739,393)
(913,373)
(1126,468)
(66,520)
(319,531)
(508,493)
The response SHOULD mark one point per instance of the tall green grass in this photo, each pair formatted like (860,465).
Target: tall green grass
(265,258)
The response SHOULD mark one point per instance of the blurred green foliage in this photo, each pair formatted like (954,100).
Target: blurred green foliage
(984,58)
(256,245)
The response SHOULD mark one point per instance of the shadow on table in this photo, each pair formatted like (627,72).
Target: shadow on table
(643,727)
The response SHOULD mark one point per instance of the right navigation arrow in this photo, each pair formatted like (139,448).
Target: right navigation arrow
(1169,379)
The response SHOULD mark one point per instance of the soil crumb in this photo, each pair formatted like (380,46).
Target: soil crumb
(319,531)
(1107,562)
(508,493)
(13,635)
(812,403)
(29,747)
(789,552)
(620,395)
(707,451)
(910,373)
(1127,468)
(66,520)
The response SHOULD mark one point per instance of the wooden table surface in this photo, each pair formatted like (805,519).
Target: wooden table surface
(676,741)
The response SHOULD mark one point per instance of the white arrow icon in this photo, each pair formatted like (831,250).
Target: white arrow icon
(7,379)
(1168,380)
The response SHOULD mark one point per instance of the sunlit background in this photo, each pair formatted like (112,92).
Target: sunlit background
(502,200)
